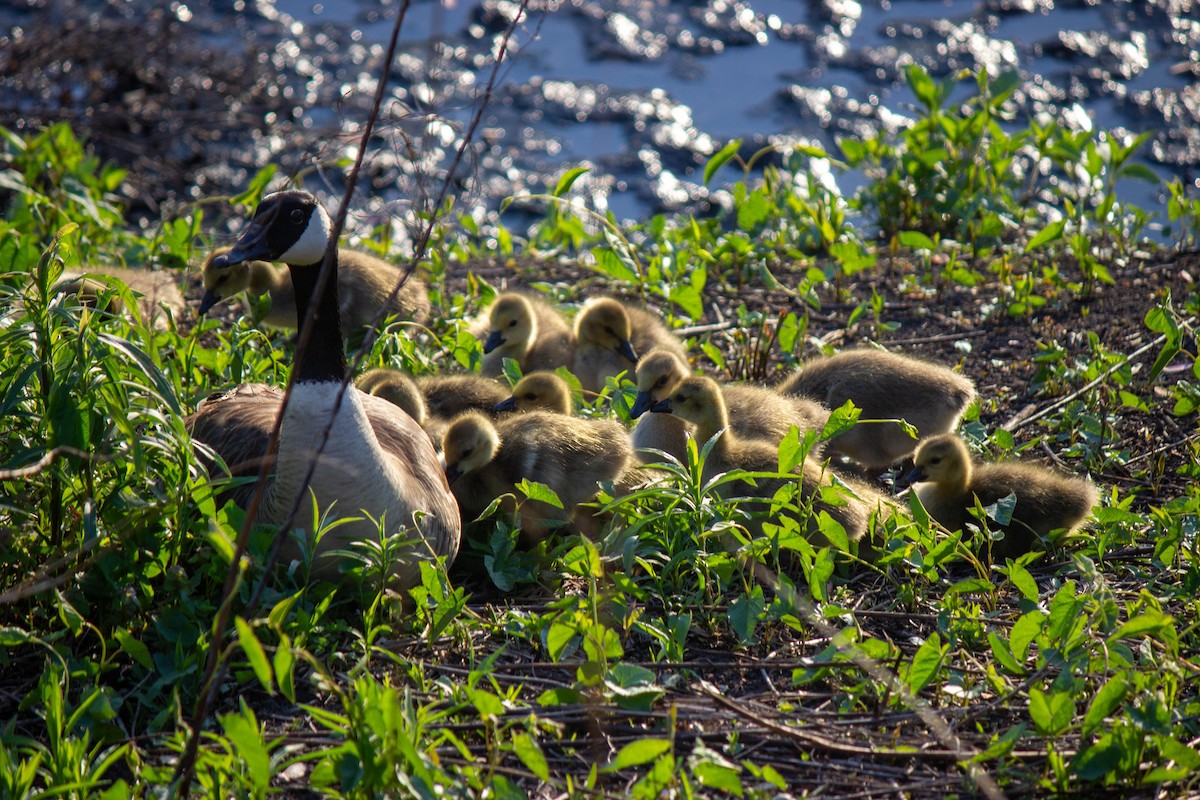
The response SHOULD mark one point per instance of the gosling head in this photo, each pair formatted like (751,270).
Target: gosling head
(541,390)
(397,388)
(469,443)
(512,323)
(604,323)
(658,373)
(221,283)
(943,460)
(698,401)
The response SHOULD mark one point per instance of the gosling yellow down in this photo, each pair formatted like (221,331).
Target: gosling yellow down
(948,481)
(364,285)
(485,460)
(527,330)
(755,412)
(698,400)
(611,335)
(883,385)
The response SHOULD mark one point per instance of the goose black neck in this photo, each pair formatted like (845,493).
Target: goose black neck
(324,359)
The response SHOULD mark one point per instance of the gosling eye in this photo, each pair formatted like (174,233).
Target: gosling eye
(467,453)
(530,396)
(512,324)
(221,280)
(935,460)
(297,216)
(608,329)
(661,381)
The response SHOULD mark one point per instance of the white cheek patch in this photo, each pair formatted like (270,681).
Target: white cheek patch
(309,249)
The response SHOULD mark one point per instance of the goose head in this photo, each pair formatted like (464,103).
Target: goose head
(658,373)
(539,390)
(289,226)
(469,443)
(605,324)
(512,323)
(698,401)
(943,460)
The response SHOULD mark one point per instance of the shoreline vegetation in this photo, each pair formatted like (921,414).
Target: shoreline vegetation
(651,661)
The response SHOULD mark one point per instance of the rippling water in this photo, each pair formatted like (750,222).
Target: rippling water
(643,92)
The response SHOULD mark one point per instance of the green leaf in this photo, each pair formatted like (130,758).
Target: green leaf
(790,451)
(1004,655)
(255,653)
(1050,233)
(745,612)
(540,492)
(634,754)
(609,263)
(1104,703)
(531,755)
(1051,713)
(258,184)
(1024,631)
(1162,320)
(133,647)
(925,663)
(247,739)
(284,663)
(916,240)
(719,776)
(720,158)
(568,179)
(1024,582)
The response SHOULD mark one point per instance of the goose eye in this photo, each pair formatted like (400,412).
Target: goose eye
(297,216)
(512,324)
(661,381)
(221,280)
(608,329)
(936,460)
(467,453)
(530,396)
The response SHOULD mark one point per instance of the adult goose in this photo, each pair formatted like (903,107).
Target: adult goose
(377,466)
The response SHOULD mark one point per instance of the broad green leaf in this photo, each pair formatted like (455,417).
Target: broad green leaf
(540,492)
(1023,632)
(634,754)
(1051,713)
(531,755)
(745,613)
(133,647)
(916,240)
(1004,655)
(1024,582)
(925,663)
(255,653)
(1050,233)
(1104,703)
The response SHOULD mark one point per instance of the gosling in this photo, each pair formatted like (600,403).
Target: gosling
(609,337)
(948,482)
(883,385)
(755,412)
(539,391)
(486,460)
(433,400)
(698,400)
(527,330)
(364,284)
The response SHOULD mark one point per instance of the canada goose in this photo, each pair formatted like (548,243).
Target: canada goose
(527,330)
(542,391)
(485,460)
(755,412)
(883,385)
(698,400)
(364,284)
(609,337)
(377,464)
(948,480)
